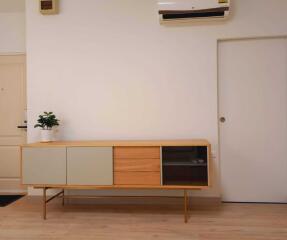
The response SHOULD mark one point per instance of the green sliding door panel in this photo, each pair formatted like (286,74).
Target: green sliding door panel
(44,165)
(90,166)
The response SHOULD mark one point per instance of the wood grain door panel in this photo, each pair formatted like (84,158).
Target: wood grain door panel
(136,152)
(137,178)
(137,164)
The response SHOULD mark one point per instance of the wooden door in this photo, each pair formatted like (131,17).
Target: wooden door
(253,124)
(12,115)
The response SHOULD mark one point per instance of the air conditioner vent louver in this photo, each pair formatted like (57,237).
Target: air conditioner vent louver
(215,12)
(192,9)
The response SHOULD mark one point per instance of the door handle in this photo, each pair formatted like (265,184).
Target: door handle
(222,119)
(22,127)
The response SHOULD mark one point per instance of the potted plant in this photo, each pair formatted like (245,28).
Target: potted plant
(46,122)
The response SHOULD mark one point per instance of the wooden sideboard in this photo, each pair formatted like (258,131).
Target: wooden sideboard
(181,164)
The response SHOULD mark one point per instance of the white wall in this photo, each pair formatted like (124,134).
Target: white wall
(109,70)
(12,26)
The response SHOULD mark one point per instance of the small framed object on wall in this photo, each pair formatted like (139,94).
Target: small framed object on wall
(49,7)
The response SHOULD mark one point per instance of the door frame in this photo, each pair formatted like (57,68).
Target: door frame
(218,41)
(10,182)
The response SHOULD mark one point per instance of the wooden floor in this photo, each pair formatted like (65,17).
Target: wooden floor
(22,221)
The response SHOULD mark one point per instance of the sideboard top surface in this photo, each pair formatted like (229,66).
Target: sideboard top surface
(121,143)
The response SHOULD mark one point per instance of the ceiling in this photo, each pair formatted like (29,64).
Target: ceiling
(12,6)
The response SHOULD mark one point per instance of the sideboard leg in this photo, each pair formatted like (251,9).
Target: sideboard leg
(44,203)
(185,206)
(188,205)
(63,197)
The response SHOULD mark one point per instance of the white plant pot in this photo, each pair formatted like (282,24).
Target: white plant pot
(47,135)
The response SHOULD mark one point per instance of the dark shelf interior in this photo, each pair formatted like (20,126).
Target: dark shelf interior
(185,166)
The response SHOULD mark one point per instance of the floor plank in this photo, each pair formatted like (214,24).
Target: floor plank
(22,221)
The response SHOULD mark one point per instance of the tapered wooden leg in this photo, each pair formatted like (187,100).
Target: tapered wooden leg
(63,197)
(185,206)
(188,205)
(44,203)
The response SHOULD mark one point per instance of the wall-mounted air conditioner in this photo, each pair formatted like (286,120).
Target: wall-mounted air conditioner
(170,10)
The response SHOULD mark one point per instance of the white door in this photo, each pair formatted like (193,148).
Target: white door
(253,101)
(12,115)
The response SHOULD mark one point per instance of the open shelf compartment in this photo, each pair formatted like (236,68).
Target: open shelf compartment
(185,166)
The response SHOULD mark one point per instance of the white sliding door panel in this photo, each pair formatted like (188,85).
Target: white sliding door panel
(253,101)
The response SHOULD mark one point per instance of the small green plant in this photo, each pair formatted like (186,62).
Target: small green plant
(47,120)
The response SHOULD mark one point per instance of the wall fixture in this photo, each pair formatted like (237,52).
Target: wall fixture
(49,7)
